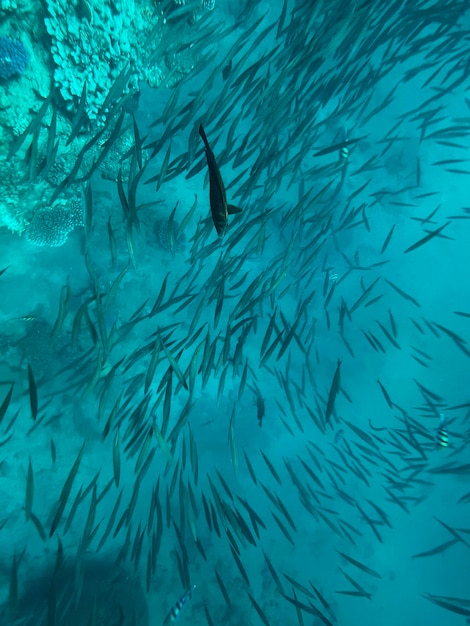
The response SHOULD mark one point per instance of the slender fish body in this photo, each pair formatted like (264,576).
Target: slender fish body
(178,606)
(220,210)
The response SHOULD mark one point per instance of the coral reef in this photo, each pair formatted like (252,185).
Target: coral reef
(25,207)
(58,171)
(13,57)
(17,197)
(50,227)
(7,6)
(103,44)
(206,5)
(26,185)
(93,42)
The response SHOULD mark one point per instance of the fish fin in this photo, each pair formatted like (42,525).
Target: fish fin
(233,209)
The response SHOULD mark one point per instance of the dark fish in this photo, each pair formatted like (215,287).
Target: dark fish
(66,492)
(88,532)
(250,469)
(457,339)
(393,324)
(209,619)
(451,604)
(387,240)
(308,608)
(386,394)
(338,146)
(160,297)
(282,19)
(284,530)
(13,590)
(322,599)
(451,469)
(360,591)
(227,70)
(80,117)
(259,610)
(218,200)
(219,303)
(437,550)
(232,441)
(105,147)
(335,385)
(260,407)
(39,527)
(111,521)
(360,565)
(363,296)
(52,146)
(164,168)
(88,207)
(240,565)
(5,404)
(122,196)
(271,468)
(173,363)
(116,460)
(403,294)
(137,143)
(223,589)
(431,234)
(72,176)
(33,393)
(33,126)
(273,573)
(29,491)
(301,588)
(112,243)
(63,310)
(116,95)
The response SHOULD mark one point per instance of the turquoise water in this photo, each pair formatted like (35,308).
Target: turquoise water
(177,414)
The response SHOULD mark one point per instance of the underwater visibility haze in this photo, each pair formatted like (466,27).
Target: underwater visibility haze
(234,312)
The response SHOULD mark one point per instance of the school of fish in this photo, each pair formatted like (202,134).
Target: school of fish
(284,389)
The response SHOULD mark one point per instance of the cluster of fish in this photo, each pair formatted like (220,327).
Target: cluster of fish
(275,346)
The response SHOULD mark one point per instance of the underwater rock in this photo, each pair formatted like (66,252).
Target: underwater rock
(107,594)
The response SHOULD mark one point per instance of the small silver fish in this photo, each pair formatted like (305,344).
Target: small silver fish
(442,439)
(343,153)
(178,607)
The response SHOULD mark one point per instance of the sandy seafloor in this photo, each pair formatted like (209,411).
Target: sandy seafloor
(437,275)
